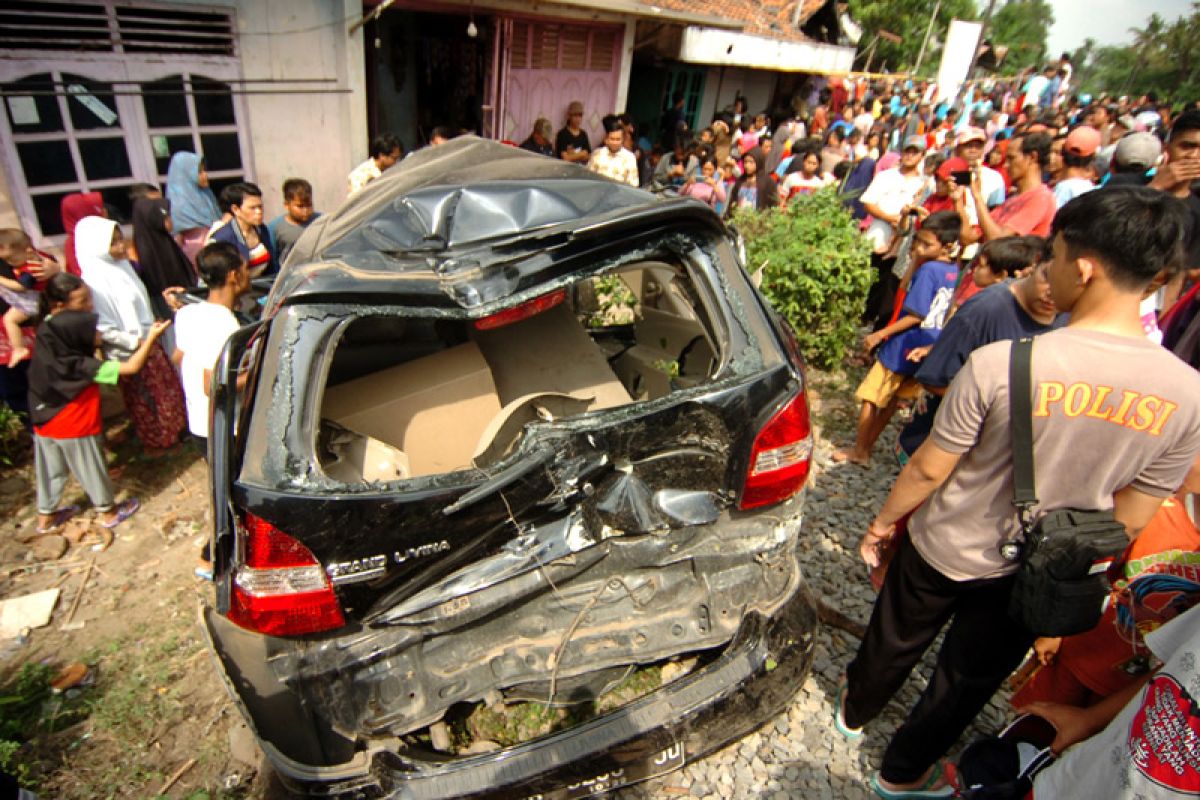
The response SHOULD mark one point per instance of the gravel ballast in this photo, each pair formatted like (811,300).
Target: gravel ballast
(800,754)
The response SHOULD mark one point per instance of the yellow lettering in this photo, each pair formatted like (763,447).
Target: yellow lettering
(1102,393)
(1144,414)
(1127,398)
(1079,395)
(1168,408)
(1048,392)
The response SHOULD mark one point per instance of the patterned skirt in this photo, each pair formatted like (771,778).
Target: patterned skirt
(154,399)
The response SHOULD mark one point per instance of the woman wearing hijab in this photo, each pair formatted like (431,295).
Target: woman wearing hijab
(154,397)
(64,403)
(164,267)
(755,188)
(73,208)
(193,206)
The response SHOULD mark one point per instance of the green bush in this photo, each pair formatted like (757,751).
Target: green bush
(13,438)
(818,270)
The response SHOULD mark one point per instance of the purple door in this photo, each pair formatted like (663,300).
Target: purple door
(550,64)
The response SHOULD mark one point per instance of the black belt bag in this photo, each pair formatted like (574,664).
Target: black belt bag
(1064,556)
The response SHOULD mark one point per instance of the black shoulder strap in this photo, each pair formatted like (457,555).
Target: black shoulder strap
(1020,392)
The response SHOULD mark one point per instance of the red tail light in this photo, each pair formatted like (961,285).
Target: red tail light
(780,459)
(517,313)
(281,589)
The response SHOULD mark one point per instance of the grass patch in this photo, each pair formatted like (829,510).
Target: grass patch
(125,734)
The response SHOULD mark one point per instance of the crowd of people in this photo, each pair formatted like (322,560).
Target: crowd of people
(1028,213)
(1016,209)
(116,311)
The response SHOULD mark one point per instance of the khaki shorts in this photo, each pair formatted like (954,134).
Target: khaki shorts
(882,385)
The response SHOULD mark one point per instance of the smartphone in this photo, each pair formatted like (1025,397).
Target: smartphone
(962,178)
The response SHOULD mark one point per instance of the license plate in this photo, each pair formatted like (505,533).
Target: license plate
(660,763)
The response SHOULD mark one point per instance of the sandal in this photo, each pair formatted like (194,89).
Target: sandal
(58,518)
(930,788)
(839,720)
(125,510)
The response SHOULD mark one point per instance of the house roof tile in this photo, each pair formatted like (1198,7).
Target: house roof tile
(771,19)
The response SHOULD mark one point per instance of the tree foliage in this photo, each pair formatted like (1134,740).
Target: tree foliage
(1164,58)
(818,270)
(908,19)
(1022,27)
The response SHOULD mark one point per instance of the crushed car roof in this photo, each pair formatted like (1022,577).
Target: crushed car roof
(457,208)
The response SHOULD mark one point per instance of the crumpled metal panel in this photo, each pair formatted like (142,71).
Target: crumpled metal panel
(631,599)
(466,160)
(467,220)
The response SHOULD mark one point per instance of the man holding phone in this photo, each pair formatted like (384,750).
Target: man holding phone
(969,146)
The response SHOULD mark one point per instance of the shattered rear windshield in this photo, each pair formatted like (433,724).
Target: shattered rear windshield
(371,395)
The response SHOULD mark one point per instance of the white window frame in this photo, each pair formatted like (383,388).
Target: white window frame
(127,71)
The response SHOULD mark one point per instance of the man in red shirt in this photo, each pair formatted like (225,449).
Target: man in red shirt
(1030,210)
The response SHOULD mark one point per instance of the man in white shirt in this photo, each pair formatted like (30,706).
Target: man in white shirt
(1140,742)
(885,200)
(1037,86)
(201,329)
(386,150)
(613,160)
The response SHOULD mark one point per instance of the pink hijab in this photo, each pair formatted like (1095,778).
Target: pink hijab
(75,207)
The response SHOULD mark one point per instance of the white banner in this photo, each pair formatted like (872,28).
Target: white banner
(961,42)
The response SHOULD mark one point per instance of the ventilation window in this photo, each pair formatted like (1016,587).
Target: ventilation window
(100,27)
(567,47)
(158,30)
(28,25)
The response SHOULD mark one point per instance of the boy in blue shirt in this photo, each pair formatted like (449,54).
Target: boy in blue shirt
(1006,310)
(925,308)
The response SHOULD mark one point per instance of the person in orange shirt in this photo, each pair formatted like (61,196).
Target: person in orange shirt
(1160,581)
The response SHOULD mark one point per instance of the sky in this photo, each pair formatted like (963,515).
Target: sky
(1106,21)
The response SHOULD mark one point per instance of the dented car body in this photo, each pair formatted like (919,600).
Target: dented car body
(508,436)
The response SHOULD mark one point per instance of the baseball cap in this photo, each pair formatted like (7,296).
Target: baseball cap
(915,141)
(1137,150)
(970,134)
(1083,141)
(576,107)
(950,165)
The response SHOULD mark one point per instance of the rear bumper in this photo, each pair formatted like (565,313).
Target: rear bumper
(748,684)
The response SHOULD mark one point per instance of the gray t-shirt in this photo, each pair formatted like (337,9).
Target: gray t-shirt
(1109,412)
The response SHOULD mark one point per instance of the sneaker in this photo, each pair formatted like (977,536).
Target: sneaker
(839,718)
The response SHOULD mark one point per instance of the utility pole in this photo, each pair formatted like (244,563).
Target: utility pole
(928,32)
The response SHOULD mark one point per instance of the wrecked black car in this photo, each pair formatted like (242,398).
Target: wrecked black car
(507,489)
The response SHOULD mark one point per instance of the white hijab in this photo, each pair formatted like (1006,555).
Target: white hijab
(119,295)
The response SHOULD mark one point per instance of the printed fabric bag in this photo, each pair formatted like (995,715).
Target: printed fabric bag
(1062,582)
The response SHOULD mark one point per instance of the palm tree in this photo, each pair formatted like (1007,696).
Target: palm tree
(1144,40)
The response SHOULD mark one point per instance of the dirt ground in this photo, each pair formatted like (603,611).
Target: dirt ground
(154,721)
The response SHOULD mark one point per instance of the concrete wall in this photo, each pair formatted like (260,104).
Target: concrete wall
(318,136)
